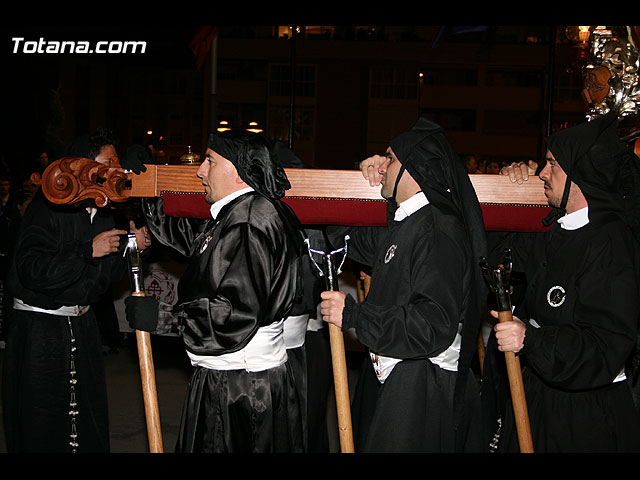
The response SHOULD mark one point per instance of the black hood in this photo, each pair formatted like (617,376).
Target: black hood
(426,154)
(254,161)
(606,171)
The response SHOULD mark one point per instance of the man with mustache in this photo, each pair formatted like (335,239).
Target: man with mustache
(577,325)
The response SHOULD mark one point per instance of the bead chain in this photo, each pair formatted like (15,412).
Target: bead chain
(73,412)
(493,446)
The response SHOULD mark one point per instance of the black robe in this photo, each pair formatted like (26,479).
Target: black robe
(243,274)
(419,295)
(52,266)
(582,292)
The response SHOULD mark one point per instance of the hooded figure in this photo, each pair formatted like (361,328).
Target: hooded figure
(254,161)
(420,320)
(241,282)
(578,322)
(65,259)
(427,155)
(607,172)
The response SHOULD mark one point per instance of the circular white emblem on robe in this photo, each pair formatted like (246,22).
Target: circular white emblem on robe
(390,253)
(556,296)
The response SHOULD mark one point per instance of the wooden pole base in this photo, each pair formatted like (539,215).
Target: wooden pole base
(341,385)
(149,393)
(518,398)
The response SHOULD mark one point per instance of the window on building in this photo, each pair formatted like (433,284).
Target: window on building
(457,77)
(512,122)
(394,82)
(242,70)
(568,87)
(452,119)
(303,123)
(319,31)
(514,78)
(280,80)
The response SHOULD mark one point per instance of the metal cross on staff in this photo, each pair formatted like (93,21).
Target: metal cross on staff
(330,272)
(499,281)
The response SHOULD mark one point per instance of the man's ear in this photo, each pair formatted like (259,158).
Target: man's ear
(239,180)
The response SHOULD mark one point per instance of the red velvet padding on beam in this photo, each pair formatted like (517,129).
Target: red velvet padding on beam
(335,211)
(330,211)
(514,218)
(191,205)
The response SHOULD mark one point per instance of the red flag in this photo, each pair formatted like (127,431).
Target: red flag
(201,43)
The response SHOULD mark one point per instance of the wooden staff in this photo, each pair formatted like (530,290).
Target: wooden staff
(338,359)
(498,280)
(149,393)
(145,357)
(481,352)
(518,398)
(363,287)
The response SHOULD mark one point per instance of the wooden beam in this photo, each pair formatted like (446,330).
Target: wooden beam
(319,183)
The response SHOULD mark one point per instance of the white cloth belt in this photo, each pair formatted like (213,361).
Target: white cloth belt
(264,351)
(447,360)
(315,322)
(66,311)
(295,329)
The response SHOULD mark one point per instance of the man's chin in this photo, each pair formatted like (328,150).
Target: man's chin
(553,203)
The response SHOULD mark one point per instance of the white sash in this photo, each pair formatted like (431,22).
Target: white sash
(265,350)
(67,311)
(295,329)
(447,360)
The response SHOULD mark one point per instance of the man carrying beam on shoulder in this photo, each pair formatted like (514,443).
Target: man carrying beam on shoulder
(420,320)
(241,283)
(578,322)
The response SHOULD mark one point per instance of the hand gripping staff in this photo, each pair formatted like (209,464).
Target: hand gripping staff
(498,280)
(147,371)
(340,379)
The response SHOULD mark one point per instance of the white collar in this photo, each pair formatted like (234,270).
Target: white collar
(217,206)
(575,220)
(410,206)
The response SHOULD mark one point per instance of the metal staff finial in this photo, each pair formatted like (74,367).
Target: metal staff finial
(499,281)
(145,356)
(135,265)
(338,359)
(328,270)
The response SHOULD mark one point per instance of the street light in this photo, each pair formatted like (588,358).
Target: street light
(253,127)
(223,126)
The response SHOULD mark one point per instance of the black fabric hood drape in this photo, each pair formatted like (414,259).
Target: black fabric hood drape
(259,167)
(426,154)
(254,161)
(607,172)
